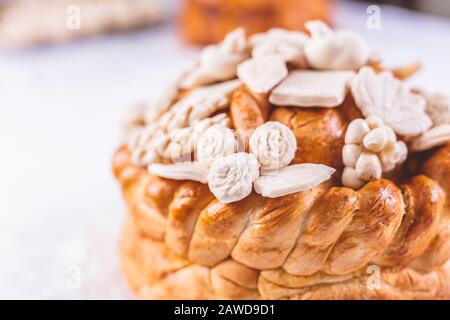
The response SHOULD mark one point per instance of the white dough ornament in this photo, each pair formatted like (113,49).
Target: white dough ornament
(286,44)
(356,131)
(350,154)
(144,143)
(292,179)
(179,171)
(261,74)
(392,155)
(183,141)
(231,178)
(368,166)
(199,104)
(170,137)
(438,107)
(334,50)
(306,88)
(350,178)
(218,62)
(384,96)
(371,148)
(216,142)
(273,144)
(435,137)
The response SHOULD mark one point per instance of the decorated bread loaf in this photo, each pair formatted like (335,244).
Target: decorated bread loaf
(288,165)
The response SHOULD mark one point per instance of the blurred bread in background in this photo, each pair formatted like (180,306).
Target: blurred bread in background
(207,21)
(25,23)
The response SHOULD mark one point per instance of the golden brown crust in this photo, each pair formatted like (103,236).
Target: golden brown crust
(218,229)
(190,198)
(424,202)
(155,273)
(371,230)
(309,245)
(319,132)
(350,110)
(403,284)
(232,280)
(190,283)
(325,223)
(146,260)
(273,228)
(246,115)
(437,167)
(124,170)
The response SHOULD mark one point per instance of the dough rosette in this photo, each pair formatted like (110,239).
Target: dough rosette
(217,141)
(274,145)
(231,178)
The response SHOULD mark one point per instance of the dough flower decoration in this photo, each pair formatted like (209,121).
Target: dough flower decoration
(139,116)
(273,144)
(334,50)
(438,109)
(161,140)
(216,142)
(384,96)
(218,62)
(286,44)
(199,104)
(231,178)
(371,148)
(146,144)
(184,140)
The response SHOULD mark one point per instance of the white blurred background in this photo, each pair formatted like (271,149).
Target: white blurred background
(60,209)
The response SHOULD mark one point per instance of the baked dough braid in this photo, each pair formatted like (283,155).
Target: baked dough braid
(182,243)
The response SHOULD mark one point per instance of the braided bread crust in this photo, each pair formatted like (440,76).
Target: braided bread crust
(154,272)
(316,244)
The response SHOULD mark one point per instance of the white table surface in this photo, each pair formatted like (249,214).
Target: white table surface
(60,207)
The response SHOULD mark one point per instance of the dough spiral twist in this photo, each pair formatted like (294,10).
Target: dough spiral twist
(273,144)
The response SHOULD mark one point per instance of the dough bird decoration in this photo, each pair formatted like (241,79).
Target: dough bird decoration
(285,166)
